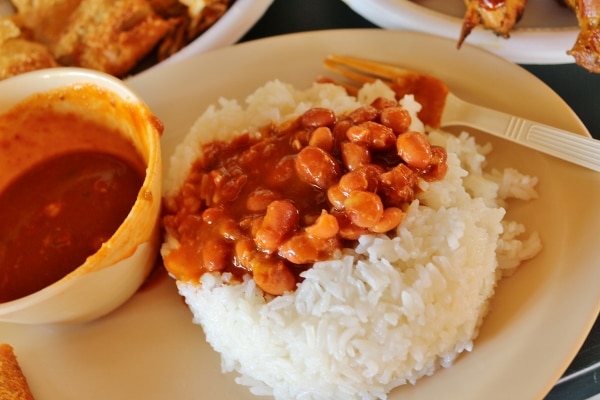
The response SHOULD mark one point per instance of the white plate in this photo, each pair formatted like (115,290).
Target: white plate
(241,16)
(543,35)
(149,348)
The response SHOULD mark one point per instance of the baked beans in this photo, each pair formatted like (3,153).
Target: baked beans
(274,204)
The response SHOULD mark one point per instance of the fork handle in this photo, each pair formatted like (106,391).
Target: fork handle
(577,149)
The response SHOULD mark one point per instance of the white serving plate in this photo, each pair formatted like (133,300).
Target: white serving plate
(149,348)
(543,35)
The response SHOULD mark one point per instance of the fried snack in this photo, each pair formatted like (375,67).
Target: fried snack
(105,35)
(586,50)
(43,20)
(8,29)
(19,55)
(13,384)
(199,16)
(205,15)
(168,8)
(110,36)
(500,16)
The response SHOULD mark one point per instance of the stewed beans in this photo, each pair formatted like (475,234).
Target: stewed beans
(272,205)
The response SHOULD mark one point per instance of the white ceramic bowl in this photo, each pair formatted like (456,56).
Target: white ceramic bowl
(114,273)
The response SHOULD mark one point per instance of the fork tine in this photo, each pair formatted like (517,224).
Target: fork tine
(363,70)
(347,73)
(429,91)
(432,93)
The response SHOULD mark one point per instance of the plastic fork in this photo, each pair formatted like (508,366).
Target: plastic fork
(580,150)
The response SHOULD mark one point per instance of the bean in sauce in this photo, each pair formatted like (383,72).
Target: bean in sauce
(271,205)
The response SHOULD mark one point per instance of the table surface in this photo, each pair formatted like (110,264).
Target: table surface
(577,87)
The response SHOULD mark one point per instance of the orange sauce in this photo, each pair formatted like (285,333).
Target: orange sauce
(60,208)
(428,91)
(258,163)
(250,206)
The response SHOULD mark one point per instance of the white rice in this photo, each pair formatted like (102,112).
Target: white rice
(385,314)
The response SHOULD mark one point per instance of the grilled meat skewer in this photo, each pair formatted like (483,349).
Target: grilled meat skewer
(586,49)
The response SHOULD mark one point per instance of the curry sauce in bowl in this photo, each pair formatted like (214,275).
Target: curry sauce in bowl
(79,198)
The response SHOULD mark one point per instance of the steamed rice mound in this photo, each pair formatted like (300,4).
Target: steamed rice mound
(384,314)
